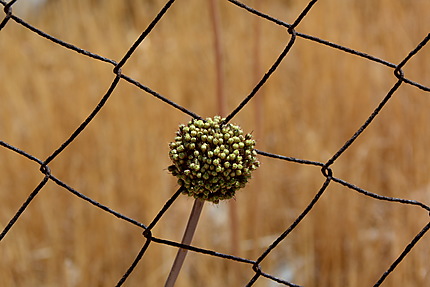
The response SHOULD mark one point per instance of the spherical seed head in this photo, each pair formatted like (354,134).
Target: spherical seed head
(212,160)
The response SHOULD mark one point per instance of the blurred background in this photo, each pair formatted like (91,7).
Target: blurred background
(314,102)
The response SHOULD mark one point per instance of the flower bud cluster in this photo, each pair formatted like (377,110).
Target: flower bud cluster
(212,160)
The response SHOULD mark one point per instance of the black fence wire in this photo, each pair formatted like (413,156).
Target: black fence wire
(326,169)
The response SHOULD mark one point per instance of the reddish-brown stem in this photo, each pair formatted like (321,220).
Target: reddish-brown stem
(186,240)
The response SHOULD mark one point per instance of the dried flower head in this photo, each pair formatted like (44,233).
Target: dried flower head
(212,160)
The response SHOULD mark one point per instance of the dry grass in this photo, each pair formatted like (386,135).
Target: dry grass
(317,99)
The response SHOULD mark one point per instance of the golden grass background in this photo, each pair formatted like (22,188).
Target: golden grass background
(314,102)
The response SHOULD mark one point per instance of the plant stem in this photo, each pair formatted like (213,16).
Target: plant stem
(219,55)
(221,103)
(198,204)
(186,240)
(255,205)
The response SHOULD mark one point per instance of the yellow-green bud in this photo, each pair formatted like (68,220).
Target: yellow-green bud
(212,160)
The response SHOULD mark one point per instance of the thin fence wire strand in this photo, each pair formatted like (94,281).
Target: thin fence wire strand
(403,254)
(325,167)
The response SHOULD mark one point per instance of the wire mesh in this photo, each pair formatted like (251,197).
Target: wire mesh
(327,170)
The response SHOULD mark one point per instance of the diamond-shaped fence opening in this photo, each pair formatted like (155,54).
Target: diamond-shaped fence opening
(334,93)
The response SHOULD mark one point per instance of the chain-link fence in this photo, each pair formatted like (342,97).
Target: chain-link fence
(253,264)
